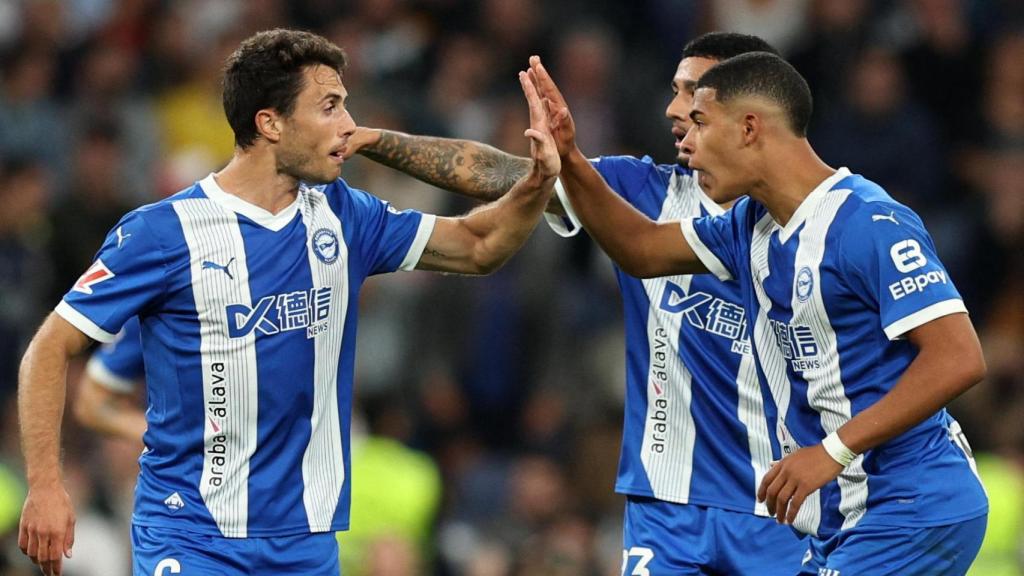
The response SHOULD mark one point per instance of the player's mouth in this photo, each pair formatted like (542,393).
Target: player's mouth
(337,155)
(679,133)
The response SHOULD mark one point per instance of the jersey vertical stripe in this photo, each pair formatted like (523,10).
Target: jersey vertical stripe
(669,382)
(323,463)
(751,414)
(228,364)
(825,389)
(774,364)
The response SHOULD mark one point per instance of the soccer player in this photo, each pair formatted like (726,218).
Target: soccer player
(695,442)
(857,329)
(246,286)
(106,399)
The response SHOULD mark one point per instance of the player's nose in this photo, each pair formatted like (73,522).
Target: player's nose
(688,145)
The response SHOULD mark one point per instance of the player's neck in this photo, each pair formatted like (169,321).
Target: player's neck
(252,175)
(790,176)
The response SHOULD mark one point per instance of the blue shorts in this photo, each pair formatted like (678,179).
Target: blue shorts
(661,538)
(946,550)
(162,552)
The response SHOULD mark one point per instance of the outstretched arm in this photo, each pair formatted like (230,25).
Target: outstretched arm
(638,245)
(483,240)
(465,167)
(47,524)
(949,361)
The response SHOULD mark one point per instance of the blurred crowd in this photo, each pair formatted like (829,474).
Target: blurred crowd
(492,407)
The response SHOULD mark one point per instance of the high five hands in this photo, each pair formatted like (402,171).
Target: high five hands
(563,130)
(543,148)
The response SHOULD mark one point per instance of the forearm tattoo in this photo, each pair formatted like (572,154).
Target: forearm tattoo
(493,172)
(488,173)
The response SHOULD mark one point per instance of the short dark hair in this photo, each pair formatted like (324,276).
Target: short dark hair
(725,45)
(766,75)
(266,72)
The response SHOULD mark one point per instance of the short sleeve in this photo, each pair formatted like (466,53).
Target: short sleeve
(624,175)
(387,239)
(125,278)
(717,240)
(118,364)
(890,259)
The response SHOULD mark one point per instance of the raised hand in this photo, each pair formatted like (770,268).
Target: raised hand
(563,129)
(543,149)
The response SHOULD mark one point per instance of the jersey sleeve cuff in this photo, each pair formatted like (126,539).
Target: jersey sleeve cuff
(706,256)
(565,226)
(102,375)
(87,326)
(897,329)
(419,243)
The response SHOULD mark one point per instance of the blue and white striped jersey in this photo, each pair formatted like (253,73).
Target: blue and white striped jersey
(830,296)
(248,334)
(695,430)
(118,365)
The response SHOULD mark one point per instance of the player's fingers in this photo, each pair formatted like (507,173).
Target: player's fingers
(547,85)
(69,537)
(794,505)
(535,135)
(772,493)
(532,99)
(782,502)
(762,490)
(32,546)
(23,537)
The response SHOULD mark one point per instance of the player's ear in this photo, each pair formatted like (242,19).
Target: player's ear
(268,124)
(752,125)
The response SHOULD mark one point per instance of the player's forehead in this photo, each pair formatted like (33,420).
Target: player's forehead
(705,102)
(320,81)
(690,69)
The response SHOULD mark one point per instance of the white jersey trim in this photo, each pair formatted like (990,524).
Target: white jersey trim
(80,321)
(419,243)
(558,223)
(899,328)
(103,376)
(807,207)
(707,257)
(274,222)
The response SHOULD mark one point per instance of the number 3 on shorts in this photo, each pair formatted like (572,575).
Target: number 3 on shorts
(167,566)
(645,556)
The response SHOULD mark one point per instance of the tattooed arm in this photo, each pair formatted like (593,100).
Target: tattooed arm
(465,167)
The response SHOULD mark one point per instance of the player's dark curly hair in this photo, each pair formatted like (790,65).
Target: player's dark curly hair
(266,72)
(725,45)
(765,75)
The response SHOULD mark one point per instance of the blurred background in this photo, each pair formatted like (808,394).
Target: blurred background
(491,409)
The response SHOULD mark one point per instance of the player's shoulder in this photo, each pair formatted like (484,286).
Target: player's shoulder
(642,163)
(869,204)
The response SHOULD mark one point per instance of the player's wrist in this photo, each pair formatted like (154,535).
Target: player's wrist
(838,450)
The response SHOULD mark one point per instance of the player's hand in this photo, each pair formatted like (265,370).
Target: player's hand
(546,161)
(47,529)
(562,126)
(792,479)
(359,139)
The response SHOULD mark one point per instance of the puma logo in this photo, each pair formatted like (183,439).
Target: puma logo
(209,265)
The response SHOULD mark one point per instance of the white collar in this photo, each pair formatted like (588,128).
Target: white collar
(273,222)
(806,208)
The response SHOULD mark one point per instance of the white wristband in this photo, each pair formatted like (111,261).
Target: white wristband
(837,450)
